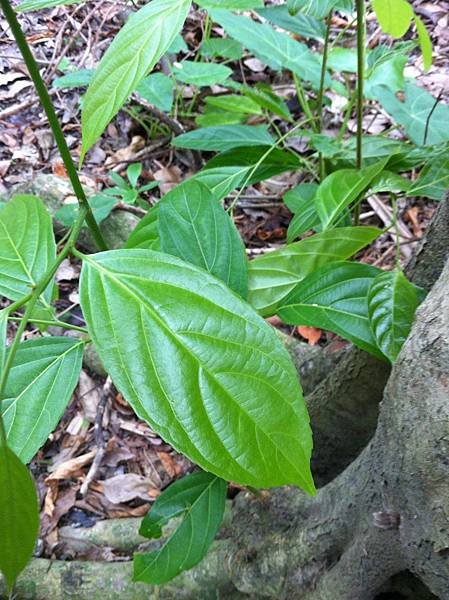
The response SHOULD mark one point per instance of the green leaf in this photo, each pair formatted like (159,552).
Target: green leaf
(392,303)
(158,90)
(199,365)
(221,139)
(276,49)
(394,16)
(263,161)
(195,227)
(75,79)
(133,172)
(300,202)
(101,205)
(433,181)
(222,180)
(44,374)
(27,247)
(200,500)
(234,103)
(303,25)
(342,188)
(266,98)
(274,275)
(137,48)
(201,73)
(425,42)
(19,516)
(334,298)
(226,48)
(146,234)
(389,182)
(29,5)
(419,112)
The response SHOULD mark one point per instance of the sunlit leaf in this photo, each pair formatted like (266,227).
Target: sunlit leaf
(199,365)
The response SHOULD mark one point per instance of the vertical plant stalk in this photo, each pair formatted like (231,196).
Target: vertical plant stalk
(321,90)
(47,104)
(361,56)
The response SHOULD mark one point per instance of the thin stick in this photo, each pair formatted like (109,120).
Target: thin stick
(99,437)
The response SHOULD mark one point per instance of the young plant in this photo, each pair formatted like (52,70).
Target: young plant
(176,316)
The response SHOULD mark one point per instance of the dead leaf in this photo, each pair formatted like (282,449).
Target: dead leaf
(412,216)
(60,170)
(169,464)
(311,334)
(70,467)
(127,487)
(169,178)
(125,155)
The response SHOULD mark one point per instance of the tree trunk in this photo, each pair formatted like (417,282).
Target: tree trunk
(385,513)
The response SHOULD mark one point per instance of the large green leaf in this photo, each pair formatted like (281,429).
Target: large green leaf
(274,275)
(433,181)
(334,298)
(27,247)
(44,374)
(226,137)
(392,303)
(342,188)
(19,515)
(194,226)
(144,39)
(275,48)
(394,16)
(199,365)
(200,500)
(425,120)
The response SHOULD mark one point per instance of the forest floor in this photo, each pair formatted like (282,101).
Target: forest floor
(136,464)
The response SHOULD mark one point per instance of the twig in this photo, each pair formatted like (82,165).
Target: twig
(426,131)
(99,437)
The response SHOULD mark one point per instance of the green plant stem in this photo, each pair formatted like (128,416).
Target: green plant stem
(323,73)
(361,55)
(47,104)
(50,323)
(321,90)
(39,289)
(304,103)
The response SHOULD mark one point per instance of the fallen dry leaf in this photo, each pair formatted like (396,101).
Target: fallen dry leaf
(70,467)
(311,334)
(127,487)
